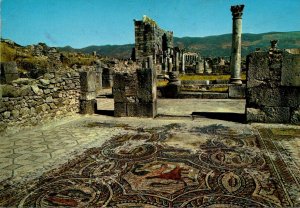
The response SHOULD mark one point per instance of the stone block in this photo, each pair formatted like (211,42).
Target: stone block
(88,95)
(24,111)
(122,80)
(119,95)
(290,75)
(237,91)
(1,92)
(268,115)
(87,106)
(98,80)
(107,77)
(295,116)
(8,72)
(49,99)
(172,90)
(277,114)
(132,109)
(88,81)
(15,113)
(45,82)
(258,66)
(35,89)
(120,109)
(266,96)
(214,95)
(42,108)
(148,110)
(199,82)
(141,109)
(290,96)
(146,89)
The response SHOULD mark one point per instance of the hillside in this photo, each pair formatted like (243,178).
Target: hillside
(219,45)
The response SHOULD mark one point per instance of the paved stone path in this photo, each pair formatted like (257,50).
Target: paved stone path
(24,153)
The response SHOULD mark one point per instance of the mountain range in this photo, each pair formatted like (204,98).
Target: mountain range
(213,46)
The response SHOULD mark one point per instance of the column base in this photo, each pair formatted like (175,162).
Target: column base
(236,81)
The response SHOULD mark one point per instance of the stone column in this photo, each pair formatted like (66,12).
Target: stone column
(170,65)
(235,63)
(98,78)
(205,66)
(176,61)
(183,64)
(88,92)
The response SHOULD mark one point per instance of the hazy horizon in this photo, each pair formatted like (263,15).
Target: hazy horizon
(82,23)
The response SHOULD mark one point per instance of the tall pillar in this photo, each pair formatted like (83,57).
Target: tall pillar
(183,64)
(205,66)
(176,61)
(170,65)
(235,63)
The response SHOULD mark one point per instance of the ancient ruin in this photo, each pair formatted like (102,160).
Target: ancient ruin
(167,127)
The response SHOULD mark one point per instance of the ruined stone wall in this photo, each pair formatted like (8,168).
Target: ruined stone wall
(273,87)
(151,40)
(135,94)
(27,102)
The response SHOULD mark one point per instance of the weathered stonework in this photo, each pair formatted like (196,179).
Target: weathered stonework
(150,40)
(273,93)
(88,92)
(135,94)
(28,102)
(107,77)
(236,91)
(8,72)
(99,72)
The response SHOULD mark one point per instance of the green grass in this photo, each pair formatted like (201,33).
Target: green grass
(162,83)
(208,77)
(213,89)
(203,77)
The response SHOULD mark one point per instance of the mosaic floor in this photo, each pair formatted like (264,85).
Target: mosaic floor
(168,166)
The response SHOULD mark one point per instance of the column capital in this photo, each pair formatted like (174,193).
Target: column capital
(237,11)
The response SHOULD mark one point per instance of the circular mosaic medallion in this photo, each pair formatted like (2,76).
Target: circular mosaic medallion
(229,158)
(68,193)
(129,151)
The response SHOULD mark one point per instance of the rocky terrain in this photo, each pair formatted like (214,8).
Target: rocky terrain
(35,60)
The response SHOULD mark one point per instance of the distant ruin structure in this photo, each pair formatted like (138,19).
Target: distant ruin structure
(235,64)
(150,40)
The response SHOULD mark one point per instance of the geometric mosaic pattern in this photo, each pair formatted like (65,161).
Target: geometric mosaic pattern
(213,166)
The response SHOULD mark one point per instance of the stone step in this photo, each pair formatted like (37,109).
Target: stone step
(203,95)
(204,82)
(204,86)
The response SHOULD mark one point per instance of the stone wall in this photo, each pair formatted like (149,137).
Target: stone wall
(27,102)
(135,94)
(273,87)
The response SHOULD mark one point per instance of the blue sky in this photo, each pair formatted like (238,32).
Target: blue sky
(80,23)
